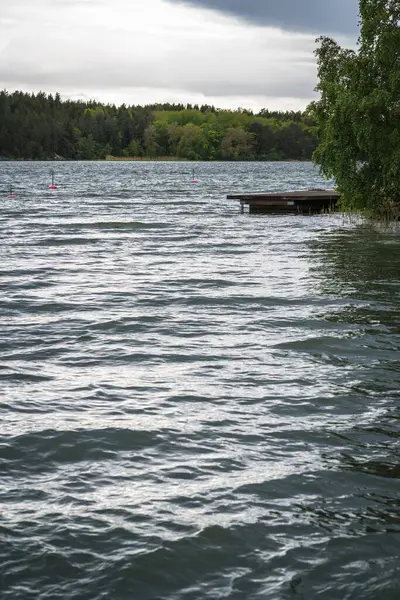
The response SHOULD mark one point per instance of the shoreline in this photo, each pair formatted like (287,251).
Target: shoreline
(151,159)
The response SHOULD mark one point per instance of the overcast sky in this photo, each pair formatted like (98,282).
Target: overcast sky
(249,53)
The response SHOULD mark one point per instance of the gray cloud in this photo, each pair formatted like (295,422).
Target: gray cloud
(164,52)
(312,16)
(290,75)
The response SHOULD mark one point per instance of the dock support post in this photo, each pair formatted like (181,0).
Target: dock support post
(242,207)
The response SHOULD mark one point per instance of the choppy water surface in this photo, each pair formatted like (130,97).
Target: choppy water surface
(195,404)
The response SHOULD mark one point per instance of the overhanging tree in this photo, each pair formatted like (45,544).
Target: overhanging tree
(358,113)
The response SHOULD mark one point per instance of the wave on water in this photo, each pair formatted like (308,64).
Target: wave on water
(195,403)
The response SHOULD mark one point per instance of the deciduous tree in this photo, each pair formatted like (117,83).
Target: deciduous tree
(358,113)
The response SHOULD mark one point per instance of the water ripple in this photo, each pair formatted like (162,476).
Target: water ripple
(196,404)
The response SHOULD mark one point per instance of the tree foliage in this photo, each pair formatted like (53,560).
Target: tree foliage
(358,114)
(38,127)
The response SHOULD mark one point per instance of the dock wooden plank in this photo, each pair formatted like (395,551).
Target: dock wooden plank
(302,201)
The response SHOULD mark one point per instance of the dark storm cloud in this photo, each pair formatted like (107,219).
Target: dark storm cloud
(313,16)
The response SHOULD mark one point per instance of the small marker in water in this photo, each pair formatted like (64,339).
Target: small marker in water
(52,186)
(11,194)
(194,180)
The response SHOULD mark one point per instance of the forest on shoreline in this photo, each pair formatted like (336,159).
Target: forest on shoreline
(45,127)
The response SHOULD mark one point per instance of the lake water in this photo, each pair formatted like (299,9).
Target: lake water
(194,404)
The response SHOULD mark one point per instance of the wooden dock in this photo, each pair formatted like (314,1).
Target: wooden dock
(302,202)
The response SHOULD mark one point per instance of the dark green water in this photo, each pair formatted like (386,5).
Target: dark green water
(194,404)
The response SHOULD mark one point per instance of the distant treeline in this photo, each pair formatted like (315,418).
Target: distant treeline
(41,126)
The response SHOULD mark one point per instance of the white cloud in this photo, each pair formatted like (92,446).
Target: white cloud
(153,51)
